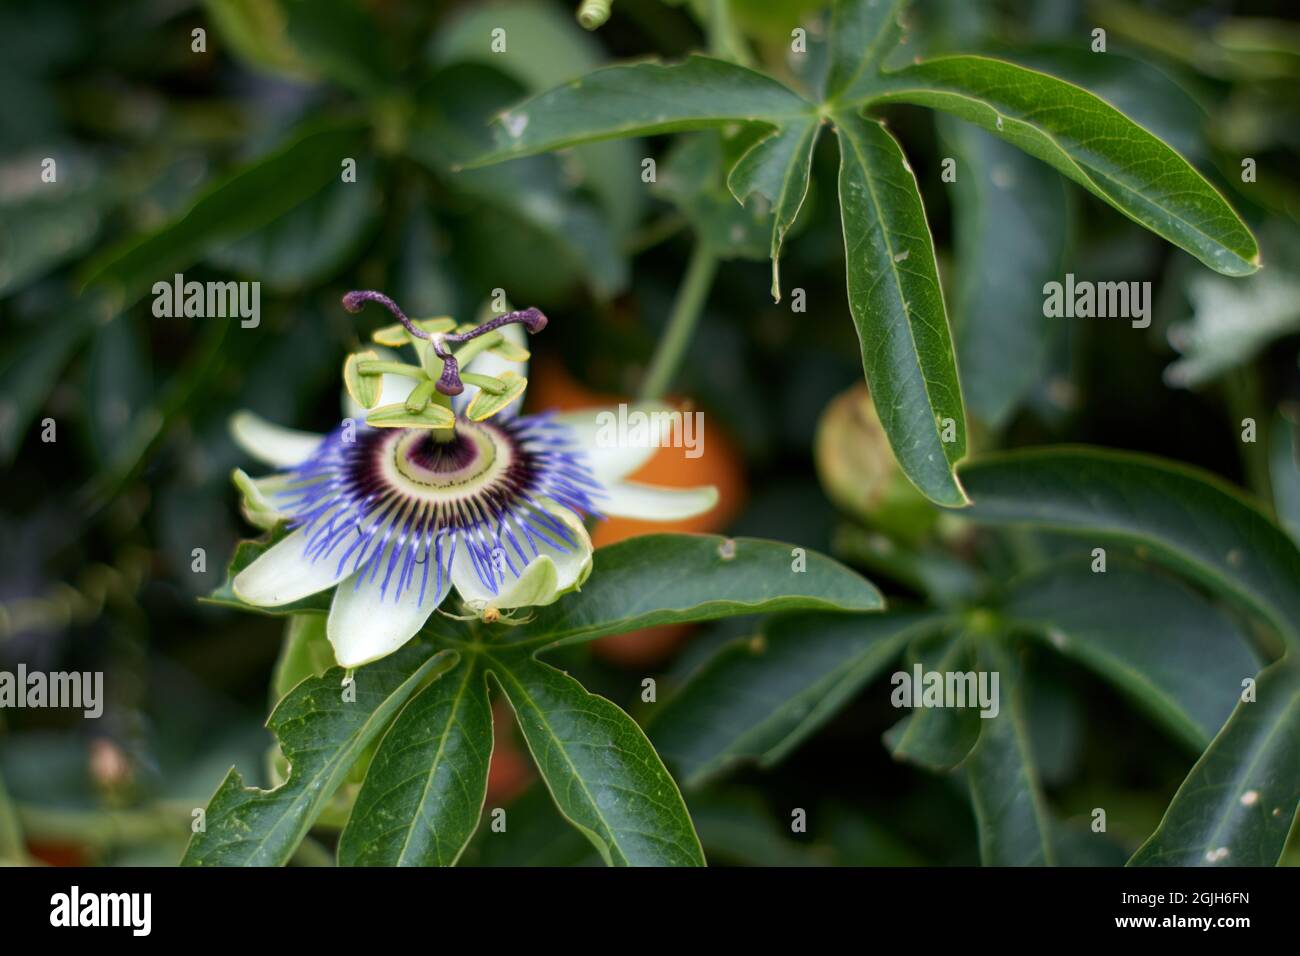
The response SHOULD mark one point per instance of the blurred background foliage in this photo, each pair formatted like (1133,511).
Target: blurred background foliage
(215,163)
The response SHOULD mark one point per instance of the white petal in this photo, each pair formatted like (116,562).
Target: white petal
(364,626)
(614,451)
(548,575)
(280,447)
(394,388)
(284,574)
(486,363)
(630,499)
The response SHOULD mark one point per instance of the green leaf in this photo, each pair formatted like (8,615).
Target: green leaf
(424,792)
(693,177)
(640,99)
(340,40)
(30,369)
(42,225)
(451,127)
(1014,826)
(738,828)
(777,168)
(1187,518)
(538,837)
(1176,655)
(760,697)
(897,305)
(242,202)
(677,578)
(118,387)
(863,32)
(321,735)
(937,738)
(1088,140)
(1011,217)
(256,32)
(306,245)
(1238,804)
(601,770)
(546,47)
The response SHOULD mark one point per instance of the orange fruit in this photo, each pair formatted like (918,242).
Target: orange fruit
(718,465)
(509,771)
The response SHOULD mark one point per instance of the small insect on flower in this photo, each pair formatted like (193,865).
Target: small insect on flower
(444,487)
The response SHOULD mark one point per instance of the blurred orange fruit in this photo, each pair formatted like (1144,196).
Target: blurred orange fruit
(719,465)
(509,771)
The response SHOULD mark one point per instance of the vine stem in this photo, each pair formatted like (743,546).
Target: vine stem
(691,296)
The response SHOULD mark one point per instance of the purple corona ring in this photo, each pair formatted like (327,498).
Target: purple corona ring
(492,507)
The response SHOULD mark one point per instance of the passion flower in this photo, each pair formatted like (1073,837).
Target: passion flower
(443,489)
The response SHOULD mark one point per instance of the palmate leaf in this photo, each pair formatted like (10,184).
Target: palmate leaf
(1013,822)
(639,99)
(862,35)
(1176,655)
(660,579)
(321,735)
(777,168)
(897,305)
(424,791)
(908,353)
(1088,140)
(422,795)
(1239,801)
(937,738)
(1188,519)
(760,697)
(599,766)
(235,206)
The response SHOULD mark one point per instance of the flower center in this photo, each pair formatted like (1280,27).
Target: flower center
(473,456)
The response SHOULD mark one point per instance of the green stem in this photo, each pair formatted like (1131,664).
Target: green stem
(691,296)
